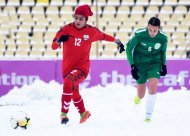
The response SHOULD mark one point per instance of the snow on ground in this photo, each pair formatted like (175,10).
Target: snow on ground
(112,108)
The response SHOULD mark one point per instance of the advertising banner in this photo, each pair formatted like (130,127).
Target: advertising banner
(18,73)
(105,72)
(102,72)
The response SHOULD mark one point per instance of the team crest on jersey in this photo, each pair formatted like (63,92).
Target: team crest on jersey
(86,37)
(157,46)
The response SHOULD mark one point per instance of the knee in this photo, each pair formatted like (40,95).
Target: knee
(76,95)
(141,95)
(68,84)
(152,85)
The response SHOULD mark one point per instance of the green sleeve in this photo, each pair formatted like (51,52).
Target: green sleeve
(163,56)
(129,49)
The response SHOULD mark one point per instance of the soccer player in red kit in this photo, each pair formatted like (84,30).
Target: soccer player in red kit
(77,38)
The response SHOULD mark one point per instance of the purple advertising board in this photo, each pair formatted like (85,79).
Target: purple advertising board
(18,73)
(102,72)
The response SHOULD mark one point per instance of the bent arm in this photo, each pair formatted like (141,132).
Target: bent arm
(56,44)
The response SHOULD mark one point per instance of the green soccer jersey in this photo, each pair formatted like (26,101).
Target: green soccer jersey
(143,49)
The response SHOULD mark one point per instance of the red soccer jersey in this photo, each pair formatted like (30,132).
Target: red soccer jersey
(76,50)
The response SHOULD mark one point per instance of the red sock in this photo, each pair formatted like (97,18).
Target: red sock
(66,100)
(79,104)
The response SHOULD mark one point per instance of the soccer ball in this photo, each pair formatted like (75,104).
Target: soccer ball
(20,119)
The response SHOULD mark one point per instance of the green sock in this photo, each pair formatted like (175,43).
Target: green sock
(82,115)
(63,114)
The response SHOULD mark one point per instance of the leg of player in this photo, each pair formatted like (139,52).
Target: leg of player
(79,104)
(141,88)
(77,100)
(71,91)
(151,97)
(66,98)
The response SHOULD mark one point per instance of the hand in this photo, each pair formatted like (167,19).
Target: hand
(63,38)
(163,70)
(134,72)
(120,46)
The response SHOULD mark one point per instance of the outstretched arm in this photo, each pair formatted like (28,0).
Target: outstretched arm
(120,45)
(103,36)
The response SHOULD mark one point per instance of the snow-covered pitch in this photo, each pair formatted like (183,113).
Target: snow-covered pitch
(112,108)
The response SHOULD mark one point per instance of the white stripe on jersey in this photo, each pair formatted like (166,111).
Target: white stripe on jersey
(141,30)
(163,33)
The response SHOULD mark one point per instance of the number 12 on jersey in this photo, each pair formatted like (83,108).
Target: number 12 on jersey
(77,41)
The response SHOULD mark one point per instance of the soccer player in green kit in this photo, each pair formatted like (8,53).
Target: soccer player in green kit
(146,53)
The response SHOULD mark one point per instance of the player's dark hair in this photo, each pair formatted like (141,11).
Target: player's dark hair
(154,21)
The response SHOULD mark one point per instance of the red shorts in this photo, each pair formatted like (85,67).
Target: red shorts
(72,80)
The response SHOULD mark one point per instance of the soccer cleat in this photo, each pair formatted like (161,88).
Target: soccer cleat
(64,118)
(84,116)
(147,120)
(137,100)
(148,117)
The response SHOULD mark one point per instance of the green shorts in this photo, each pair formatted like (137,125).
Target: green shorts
(148,71)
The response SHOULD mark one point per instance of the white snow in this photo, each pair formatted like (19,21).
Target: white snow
(112,108)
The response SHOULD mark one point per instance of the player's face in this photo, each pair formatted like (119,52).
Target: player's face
(80,21)
(153,30)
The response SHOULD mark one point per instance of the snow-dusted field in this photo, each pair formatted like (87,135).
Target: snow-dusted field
(112,108)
